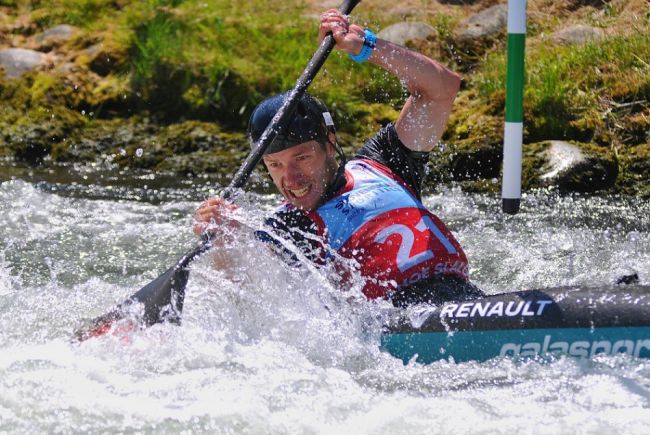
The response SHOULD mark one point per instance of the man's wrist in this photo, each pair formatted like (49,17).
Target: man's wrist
(369,43)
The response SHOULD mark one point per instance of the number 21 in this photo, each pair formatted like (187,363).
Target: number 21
(404,258)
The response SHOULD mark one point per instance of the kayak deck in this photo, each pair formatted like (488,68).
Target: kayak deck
(580,322)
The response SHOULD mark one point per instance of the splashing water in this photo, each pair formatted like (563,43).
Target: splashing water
(271,349)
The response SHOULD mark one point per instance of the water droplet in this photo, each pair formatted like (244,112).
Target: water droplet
(634,236)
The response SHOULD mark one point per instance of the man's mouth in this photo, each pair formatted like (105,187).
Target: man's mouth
(299,193)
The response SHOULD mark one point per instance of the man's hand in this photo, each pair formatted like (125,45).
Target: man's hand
(213,214)
(349,37)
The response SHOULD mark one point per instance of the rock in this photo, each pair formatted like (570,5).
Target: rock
(576,167)
(639,160)
(486,23)
(399,33)
(578,34)
(67,68)
(17,61)
(59,33)
(561,156)
(105,59)
(406,12)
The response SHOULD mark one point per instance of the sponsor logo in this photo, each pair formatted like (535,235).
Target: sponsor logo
(449,268)
(580,348)
(497,309)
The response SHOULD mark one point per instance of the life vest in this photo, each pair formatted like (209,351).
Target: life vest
(378,221)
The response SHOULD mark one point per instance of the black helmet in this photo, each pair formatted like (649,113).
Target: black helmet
(310,121)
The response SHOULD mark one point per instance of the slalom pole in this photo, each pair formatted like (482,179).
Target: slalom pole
(514,126)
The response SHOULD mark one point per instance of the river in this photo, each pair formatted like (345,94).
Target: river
(271,350)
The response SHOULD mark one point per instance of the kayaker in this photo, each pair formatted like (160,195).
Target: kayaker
(364,214)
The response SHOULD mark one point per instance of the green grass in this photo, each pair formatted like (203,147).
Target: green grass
(80,13)
(215,59)
(568,83)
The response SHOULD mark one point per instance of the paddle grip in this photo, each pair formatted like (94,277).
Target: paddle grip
(283,115)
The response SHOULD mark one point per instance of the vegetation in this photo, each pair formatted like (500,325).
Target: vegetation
(200,61)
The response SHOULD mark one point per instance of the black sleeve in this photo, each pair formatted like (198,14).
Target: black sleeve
(297,228)
(386,148)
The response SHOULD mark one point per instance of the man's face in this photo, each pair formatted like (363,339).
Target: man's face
(303,172)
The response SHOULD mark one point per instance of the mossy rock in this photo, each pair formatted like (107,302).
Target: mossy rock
(636,127)
(137,143)
(638,160)
(635,170)
(478,34)
(105,59)
(178,147)
(463,162)
(570,167)
(190,136)
(476,120)
(474,147)
(103,139)
(30,138)
(203,162)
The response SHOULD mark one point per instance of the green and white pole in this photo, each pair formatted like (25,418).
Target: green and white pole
(514,129)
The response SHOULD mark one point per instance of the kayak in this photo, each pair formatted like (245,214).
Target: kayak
(575,321)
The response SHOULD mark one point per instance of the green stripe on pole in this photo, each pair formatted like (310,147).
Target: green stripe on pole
(515,78)
(514,126)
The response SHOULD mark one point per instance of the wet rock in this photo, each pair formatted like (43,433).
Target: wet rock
(400,33)
(577,167)
(578,34)
(487,23)
(103,60)
(473,37)
(55,36)
(190,136)
(636,127)
(17,61)
(67,68)
(406,12)
(103,140)
(202,162)
(561,157)
(636,170)
(31,137)
(474,151)
(187,147)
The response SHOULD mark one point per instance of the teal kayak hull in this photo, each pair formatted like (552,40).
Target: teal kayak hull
(570,321)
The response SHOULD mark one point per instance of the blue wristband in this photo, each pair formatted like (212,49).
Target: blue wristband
(369,43)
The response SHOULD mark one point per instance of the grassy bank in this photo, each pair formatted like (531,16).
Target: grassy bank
(173,61)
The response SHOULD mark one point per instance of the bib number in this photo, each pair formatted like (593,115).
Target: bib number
(404,258)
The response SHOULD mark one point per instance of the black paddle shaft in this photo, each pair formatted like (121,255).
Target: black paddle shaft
(163,297)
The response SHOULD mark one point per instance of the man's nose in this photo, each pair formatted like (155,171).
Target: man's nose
(293,174)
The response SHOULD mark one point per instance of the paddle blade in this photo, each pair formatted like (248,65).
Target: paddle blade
(162,301)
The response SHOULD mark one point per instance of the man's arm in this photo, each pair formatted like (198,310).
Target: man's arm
(433,87)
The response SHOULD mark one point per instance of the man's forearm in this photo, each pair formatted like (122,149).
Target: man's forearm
(421,75)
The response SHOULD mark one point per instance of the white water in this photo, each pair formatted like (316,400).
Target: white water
(273,351)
